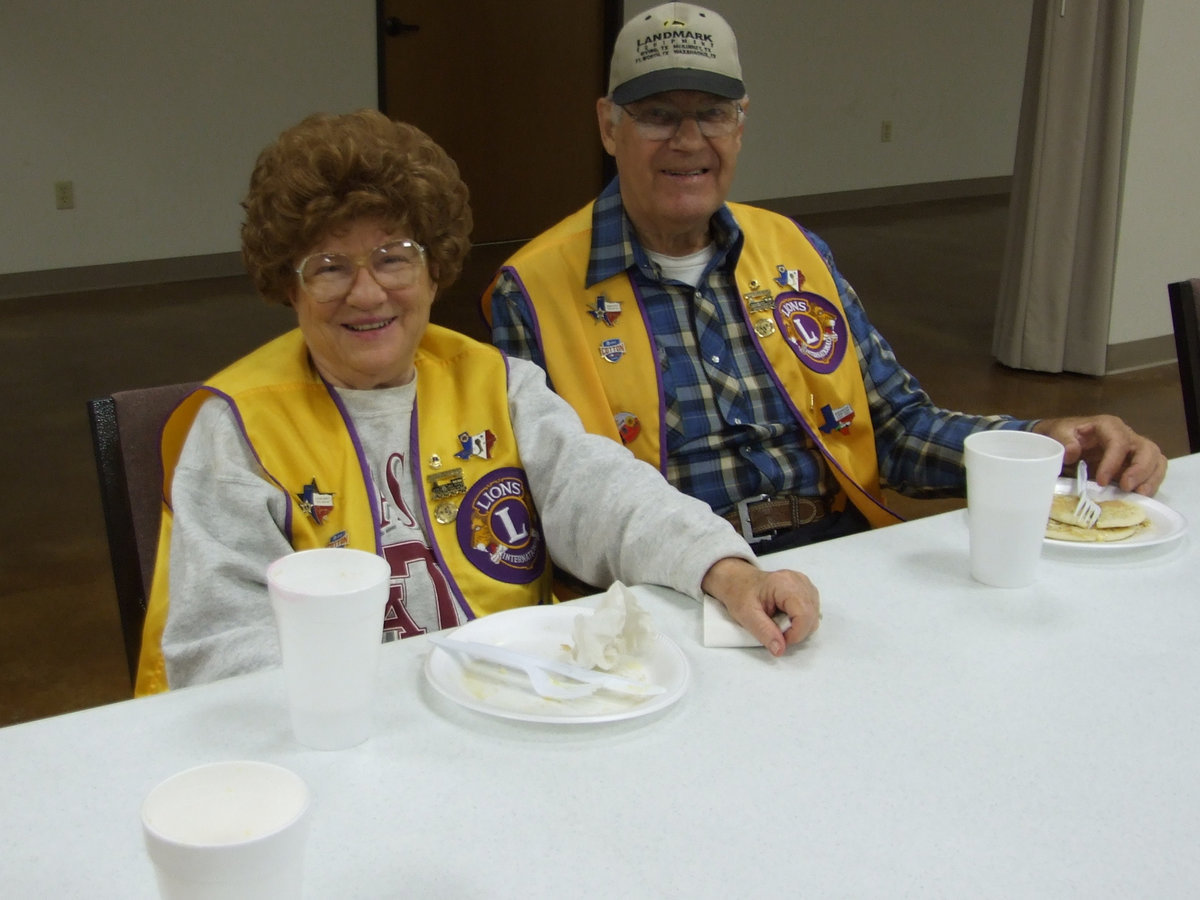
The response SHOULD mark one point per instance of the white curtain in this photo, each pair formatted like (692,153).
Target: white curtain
(1056,283)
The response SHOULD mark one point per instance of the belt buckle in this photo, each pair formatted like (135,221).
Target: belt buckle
(743,511)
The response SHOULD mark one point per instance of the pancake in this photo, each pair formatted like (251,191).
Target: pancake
(1113,513)
(1119,521)
(1059,531)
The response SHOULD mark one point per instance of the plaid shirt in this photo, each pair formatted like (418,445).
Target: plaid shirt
(722,450)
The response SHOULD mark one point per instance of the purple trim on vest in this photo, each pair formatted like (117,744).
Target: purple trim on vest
(531,307)
(637,295)
(414,462)
(658,376)
(803,422)
(364,469)
(241,424)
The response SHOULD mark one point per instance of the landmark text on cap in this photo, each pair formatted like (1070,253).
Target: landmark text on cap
(676,46)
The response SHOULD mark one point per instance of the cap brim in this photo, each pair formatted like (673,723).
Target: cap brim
(678,80)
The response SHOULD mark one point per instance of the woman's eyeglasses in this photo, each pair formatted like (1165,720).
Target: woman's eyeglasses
(329,276)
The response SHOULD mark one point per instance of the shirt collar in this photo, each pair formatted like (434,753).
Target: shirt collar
(615,247)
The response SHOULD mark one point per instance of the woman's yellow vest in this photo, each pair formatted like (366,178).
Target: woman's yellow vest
(600,353)
(474,498)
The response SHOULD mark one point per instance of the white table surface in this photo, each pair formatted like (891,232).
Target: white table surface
(936,738)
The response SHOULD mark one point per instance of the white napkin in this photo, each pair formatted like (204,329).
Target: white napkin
(721,631)
(617,629)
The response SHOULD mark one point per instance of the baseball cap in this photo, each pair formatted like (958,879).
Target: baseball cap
(675,47)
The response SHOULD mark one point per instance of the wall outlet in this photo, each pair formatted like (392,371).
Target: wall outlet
(885,131)
(64,195)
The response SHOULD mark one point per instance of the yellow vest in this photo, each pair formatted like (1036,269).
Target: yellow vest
(790,304)
(483,528)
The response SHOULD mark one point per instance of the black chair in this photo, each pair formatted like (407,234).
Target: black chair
(1185,313)
(126,432)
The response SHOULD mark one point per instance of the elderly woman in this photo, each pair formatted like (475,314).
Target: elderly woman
(368,427)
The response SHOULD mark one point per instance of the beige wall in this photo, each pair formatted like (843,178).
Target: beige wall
(823,75)
(156,108)
(1159,240)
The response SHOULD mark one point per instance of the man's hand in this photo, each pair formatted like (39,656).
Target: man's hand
(753,597)
(1112,450)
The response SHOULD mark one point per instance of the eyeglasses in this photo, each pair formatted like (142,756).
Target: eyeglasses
(329,276)
(660,122)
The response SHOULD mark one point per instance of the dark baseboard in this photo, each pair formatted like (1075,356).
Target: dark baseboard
(1124,357)
(894,195)
(220,265)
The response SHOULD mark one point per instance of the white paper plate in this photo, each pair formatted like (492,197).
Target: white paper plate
(546,631)
(1166,525)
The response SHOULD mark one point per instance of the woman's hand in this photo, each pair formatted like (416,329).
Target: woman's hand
(753,597)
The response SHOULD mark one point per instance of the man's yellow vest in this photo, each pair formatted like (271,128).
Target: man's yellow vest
(474,497)
(600,355)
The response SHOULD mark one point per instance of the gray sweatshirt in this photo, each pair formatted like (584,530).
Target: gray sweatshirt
(605,515)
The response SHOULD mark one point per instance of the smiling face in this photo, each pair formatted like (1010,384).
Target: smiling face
(369,338)
(671,188)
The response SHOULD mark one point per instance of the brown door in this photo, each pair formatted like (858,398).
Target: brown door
(509,90)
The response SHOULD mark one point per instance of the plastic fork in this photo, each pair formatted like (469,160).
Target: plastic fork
(544,684)
(542,671)
(1087,510)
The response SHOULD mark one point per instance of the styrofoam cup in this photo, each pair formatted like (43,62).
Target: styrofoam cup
(226,830)
(1010,486)
(329,607)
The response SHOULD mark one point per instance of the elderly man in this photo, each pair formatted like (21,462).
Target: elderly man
(718,341)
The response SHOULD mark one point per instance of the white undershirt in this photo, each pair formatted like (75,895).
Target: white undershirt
(687,269)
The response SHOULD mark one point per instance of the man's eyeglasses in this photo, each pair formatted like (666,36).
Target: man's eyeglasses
(329,276)
(659,122)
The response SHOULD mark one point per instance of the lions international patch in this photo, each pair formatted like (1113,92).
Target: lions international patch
(814,328)
(498,528)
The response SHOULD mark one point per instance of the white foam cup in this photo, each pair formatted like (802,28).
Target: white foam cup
(1010,486)
(226,830)
(329,607)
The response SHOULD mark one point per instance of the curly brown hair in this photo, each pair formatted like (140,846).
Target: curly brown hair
(321,176)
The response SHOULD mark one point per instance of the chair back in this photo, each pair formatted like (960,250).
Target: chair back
(126,434)
(1185,313)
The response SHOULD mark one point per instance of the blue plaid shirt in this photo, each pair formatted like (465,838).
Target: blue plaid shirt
(724,449)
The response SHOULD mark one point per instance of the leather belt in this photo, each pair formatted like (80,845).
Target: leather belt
(761,518)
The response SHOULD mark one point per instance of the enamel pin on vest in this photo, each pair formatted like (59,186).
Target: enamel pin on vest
(760,300)
(314,502)
(612,350)
(605,310)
